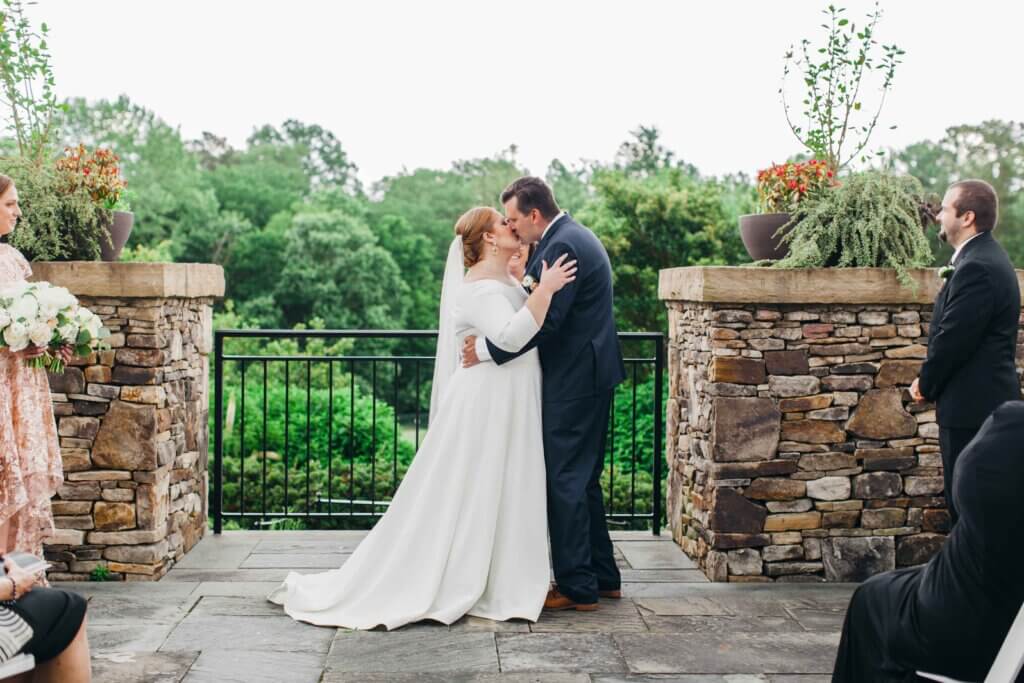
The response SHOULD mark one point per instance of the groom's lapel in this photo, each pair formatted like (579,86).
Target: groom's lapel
(552,229)
(533,265)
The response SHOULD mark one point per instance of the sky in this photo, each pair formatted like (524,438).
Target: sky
(415,84)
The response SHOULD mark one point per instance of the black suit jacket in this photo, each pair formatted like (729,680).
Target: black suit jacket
(953,614)
(579,346)
(972,342)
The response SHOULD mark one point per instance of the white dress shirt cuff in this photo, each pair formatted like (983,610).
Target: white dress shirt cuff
(481,350)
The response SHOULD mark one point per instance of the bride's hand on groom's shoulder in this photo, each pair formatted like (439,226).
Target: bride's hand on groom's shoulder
(558,274)
(469,357)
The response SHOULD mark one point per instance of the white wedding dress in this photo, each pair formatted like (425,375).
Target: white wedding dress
(466,532)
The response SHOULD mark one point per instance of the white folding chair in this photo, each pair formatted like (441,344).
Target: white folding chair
(18,664)
(1008,662)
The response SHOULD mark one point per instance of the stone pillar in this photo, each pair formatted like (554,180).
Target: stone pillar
(794,450)
(133,420)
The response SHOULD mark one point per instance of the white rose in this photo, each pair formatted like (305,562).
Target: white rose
(16,336)
(5,318)
(40,334)
(25,308)
(68,333)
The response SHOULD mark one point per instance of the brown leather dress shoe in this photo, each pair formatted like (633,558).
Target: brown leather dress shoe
(613,595)
(557,601)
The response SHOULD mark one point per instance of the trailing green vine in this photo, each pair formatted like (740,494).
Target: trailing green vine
(872,219)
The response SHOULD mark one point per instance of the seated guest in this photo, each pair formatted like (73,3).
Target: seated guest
(951,615)
(57,620)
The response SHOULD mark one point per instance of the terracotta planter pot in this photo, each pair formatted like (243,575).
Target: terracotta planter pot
(757,229)
(119,228)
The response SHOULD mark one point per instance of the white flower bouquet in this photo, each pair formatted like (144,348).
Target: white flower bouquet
(40,314)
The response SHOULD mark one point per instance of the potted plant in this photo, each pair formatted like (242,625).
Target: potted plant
(56,224)
(781,187)
(99,173)
(872,219)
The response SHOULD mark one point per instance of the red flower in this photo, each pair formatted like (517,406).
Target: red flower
(792,184)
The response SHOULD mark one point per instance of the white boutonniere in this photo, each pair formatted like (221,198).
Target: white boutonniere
(945,272)
(529,284)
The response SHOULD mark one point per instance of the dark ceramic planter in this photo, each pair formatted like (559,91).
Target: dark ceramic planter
(119,228)
(757,230)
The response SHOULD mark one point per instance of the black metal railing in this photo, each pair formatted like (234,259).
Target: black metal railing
(320,426)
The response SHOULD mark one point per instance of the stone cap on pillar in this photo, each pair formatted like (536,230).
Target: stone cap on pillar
(756,285)
(133,280)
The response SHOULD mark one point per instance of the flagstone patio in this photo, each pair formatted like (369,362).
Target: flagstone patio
(207,620)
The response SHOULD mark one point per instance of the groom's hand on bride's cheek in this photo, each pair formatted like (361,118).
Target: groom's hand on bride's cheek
(469,357)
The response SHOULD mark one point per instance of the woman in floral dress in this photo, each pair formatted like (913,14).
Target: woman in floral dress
(30,464)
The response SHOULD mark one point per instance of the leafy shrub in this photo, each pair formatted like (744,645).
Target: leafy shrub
(872,219)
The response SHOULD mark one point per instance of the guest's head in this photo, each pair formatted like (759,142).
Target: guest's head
(9,210)
(529,207)
(969,207)
(485,235)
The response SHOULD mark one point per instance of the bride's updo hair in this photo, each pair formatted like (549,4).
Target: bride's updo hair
(472,226)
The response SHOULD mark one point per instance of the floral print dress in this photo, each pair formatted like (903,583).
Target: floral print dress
(30,463)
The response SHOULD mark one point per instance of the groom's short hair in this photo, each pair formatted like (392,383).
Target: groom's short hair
(979,197)
(532,193)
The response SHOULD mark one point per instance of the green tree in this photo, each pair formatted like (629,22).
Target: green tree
(263,180)
(432,200)
(571,185)
(169,194)
(335,269)
(323,159)
(660,221)
(992,151)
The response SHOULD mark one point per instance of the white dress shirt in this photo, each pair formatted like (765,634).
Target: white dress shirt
(956,253)
(481,342)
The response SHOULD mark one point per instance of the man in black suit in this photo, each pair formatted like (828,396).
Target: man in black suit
(972,341)
(950,616)
(581,360)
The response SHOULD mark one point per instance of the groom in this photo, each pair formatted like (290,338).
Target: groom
(582,363)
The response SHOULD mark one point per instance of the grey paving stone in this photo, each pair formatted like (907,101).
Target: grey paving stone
(619,616)
(721,625)
(729,653)
(135,606)
(305,546)
(800,679)
(470,623)
(290,561)
(412,652)
(246,575)
(619,536)
(256,666)
(663,576)
(567,652)
(655,555)
(254,589)
(218,552)
(270,634)
(819,620)
(694,606)
(220,606)
(681,678)
(425,625)
(339,677)
(342,536)
(160,590)
(141,667)
(133,637)
(662,589)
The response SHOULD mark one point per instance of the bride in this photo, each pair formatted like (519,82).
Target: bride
(466,532)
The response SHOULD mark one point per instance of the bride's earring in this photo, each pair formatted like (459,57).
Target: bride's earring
(494,249)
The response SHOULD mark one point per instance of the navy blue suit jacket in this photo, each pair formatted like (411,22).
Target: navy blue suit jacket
(579,346)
